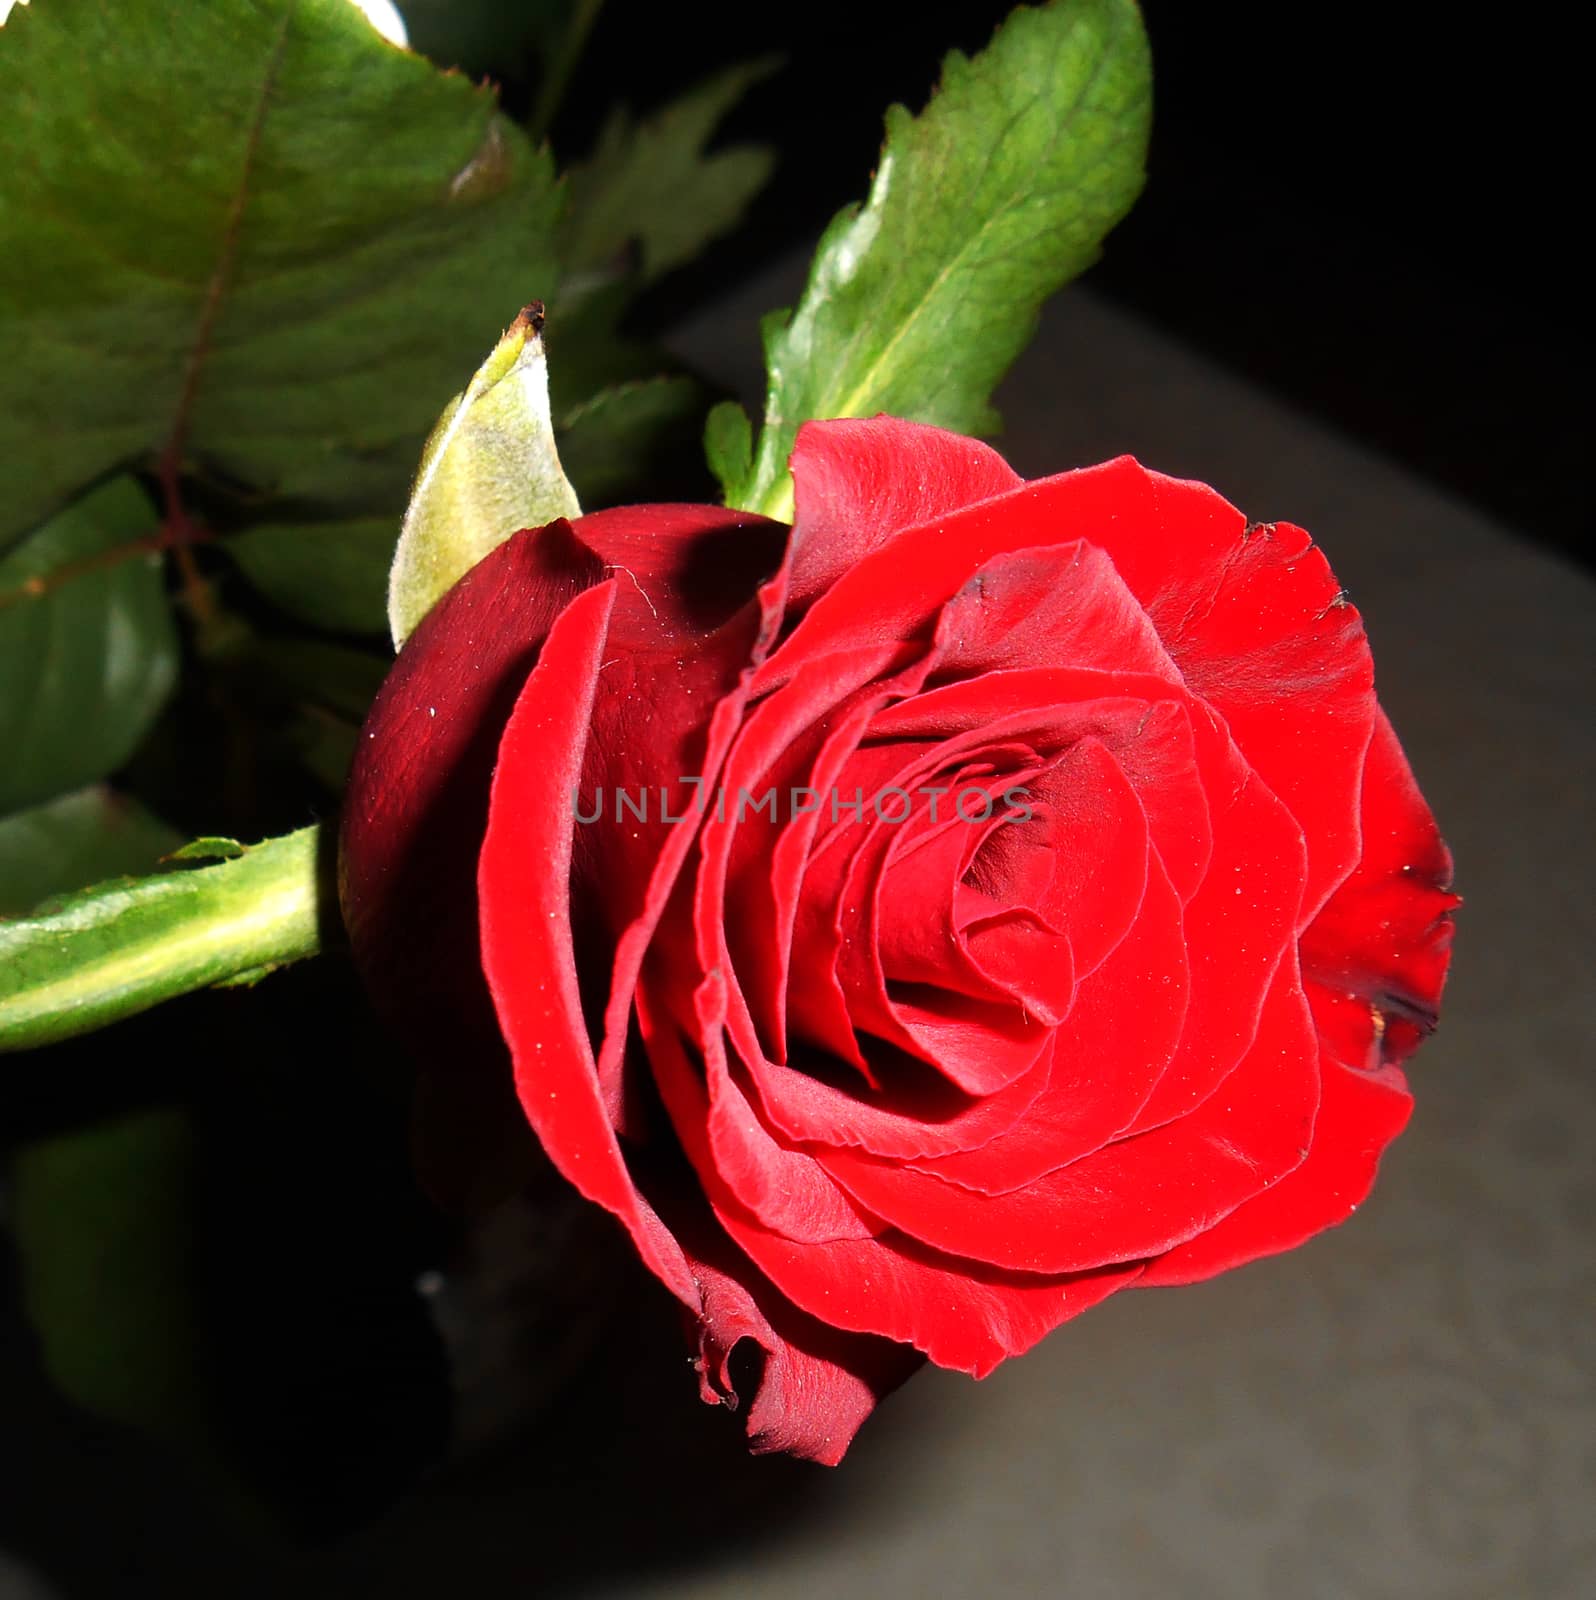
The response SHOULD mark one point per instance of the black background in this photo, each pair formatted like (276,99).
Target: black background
(1369,210)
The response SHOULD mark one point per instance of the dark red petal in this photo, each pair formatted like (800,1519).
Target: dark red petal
(1384,938)
(816,1384)
(684,570)
(1360,1113)
(664,719)
(414,812)
(1135,1198)
(858,484)
(524,883)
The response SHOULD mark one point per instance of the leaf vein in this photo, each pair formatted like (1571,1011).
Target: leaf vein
(227,253)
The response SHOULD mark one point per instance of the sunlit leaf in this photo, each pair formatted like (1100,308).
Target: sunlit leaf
(255,241)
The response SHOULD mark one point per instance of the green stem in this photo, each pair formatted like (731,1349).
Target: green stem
(95,957)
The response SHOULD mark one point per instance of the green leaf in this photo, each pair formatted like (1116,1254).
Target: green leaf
(633,439)
(108,952)
(80,838)
(104,1226)
(729,445)
(331,574)
(489,470)
(249,238)
(88,651)
(646,200)
(650,182)
(994,197)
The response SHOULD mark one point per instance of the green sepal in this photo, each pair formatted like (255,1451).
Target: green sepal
(490,469)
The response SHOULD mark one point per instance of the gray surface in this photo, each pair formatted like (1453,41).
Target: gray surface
(1402,1408)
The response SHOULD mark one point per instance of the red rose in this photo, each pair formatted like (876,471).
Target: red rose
(866,1082)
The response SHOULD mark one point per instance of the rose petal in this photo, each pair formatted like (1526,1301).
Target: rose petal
(858,484)
(1096,835)
(1135,1198)
(745,886)
(1256,622)
(935,931)
(684,570)
(980,1044)
(527,950)
(650,729)
(1062,605)
(1239,924)
(915,1112)
(414,811)
(961,1314)
(1385,935)
(1360,1113)
(787,1190)
(1107,1056)
(1164,744)
(817,1383)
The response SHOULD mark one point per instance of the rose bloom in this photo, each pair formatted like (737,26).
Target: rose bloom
(1079,946)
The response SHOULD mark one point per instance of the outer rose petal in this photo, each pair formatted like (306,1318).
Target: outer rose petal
(1132,1199)
(1360,1113)
(525,889)
(961,1314)
(818,1384)
(684,570)
(414,812)
(653,727)
(857,485)
(418,794)
(1384,937)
